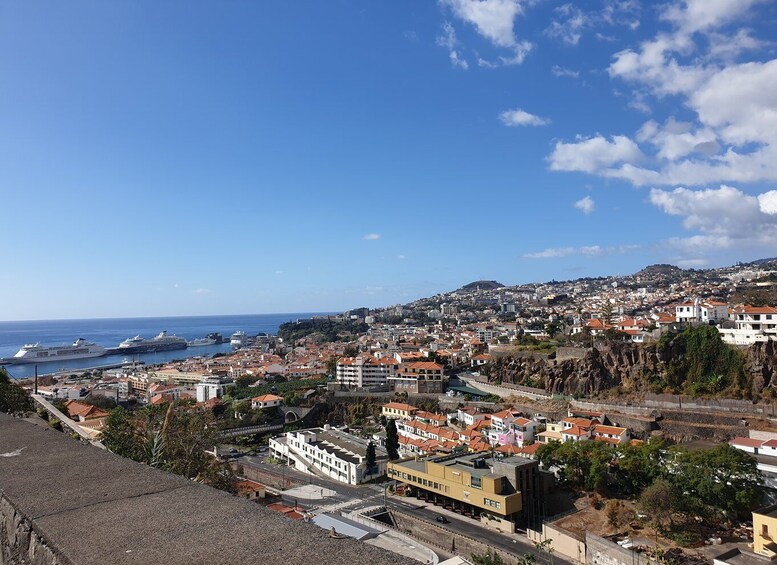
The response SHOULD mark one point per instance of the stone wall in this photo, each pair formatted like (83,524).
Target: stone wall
(20,543)
(66,503)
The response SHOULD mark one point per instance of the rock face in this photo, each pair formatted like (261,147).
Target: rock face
(762,365)
(618,365)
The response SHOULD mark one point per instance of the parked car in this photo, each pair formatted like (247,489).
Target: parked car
(443,520)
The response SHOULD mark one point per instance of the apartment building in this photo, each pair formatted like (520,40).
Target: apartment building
(751,324)
(701,311)
(418,377)
(336,454)
(365,371)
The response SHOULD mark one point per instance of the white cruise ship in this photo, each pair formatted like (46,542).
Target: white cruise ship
(162,342)
(239,339)
(37,353)
(201,342)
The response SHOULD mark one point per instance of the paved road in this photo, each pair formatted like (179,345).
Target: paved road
(351,497)
(516,544)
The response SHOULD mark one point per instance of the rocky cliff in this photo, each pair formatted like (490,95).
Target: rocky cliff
(635,368)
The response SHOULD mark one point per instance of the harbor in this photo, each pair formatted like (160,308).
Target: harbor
(109,333)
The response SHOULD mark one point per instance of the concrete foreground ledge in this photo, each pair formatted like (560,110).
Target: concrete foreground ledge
(69,503)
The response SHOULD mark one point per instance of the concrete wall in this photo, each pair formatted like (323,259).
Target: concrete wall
(505,391)
(564,353)
(601,551)
(563,542)
(607,408)
(681,402)
(66,503)
(445,538)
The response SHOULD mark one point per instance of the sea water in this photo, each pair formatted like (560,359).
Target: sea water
(109,332)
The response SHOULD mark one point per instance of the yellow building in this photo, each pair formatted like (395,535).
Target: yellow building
(765,531)
(398,410)
(466,484)
(552,432)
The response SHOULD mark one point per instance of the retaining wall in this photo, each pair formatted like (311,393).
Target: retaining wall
(446,539)
(601,551)
(563,542)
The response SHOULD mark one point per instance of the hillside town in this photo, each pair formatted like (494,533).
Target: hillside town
(409,415)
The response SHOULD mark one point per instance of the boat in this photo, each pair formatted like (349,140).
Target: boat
(37,353)
(238,339)
(162,342)
(201,342)
(215,336)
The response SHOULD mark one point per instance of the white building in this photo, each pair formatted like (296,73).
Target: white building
(265,401)
(701,311)
(751,324)
(329,452)
(364,371)
(208,390)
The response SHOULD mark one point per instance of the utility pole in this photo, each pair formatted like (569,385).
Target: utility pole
(36,379)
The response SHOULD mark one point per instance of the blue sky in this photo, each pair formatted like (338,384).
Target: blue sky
(174,158)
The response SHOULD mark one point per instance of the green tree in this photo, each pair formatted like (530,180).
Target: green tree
(582,464)
(173,438)
(553,328)
(13,398)
(637,466)
(724,478)
(659,502)
(371,457)
(392,440)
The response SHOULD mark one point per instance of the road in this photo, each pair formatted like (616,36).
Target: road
(516,544)
(351,497)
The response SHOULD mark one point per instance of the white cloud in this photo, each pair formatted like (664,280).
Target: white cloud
(401,257)
(494,20)
(201,291)
(593,154)
(586,250)
(570,22)
(731,135)
(569,25)
(564,72)
(371,237)
(278,272)
(699,15)
(518,117)
(724,217)
(586,205)
(768,202)
(449,41)
(695,263)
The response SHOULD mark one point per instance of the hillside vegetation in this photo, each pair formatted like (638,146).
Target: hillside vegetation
(694,361)
(324,330)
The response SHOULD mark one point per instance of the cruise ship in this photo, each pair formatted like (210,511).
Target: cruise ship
(37,353)
(239,339)
(162,342)
(200,342)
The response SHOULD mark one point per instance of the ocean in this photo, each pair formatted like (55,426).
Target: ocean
(109,332)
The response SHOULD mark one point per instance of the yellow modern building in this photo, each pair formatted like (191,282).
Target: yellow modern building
(467,484)
(765,531)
